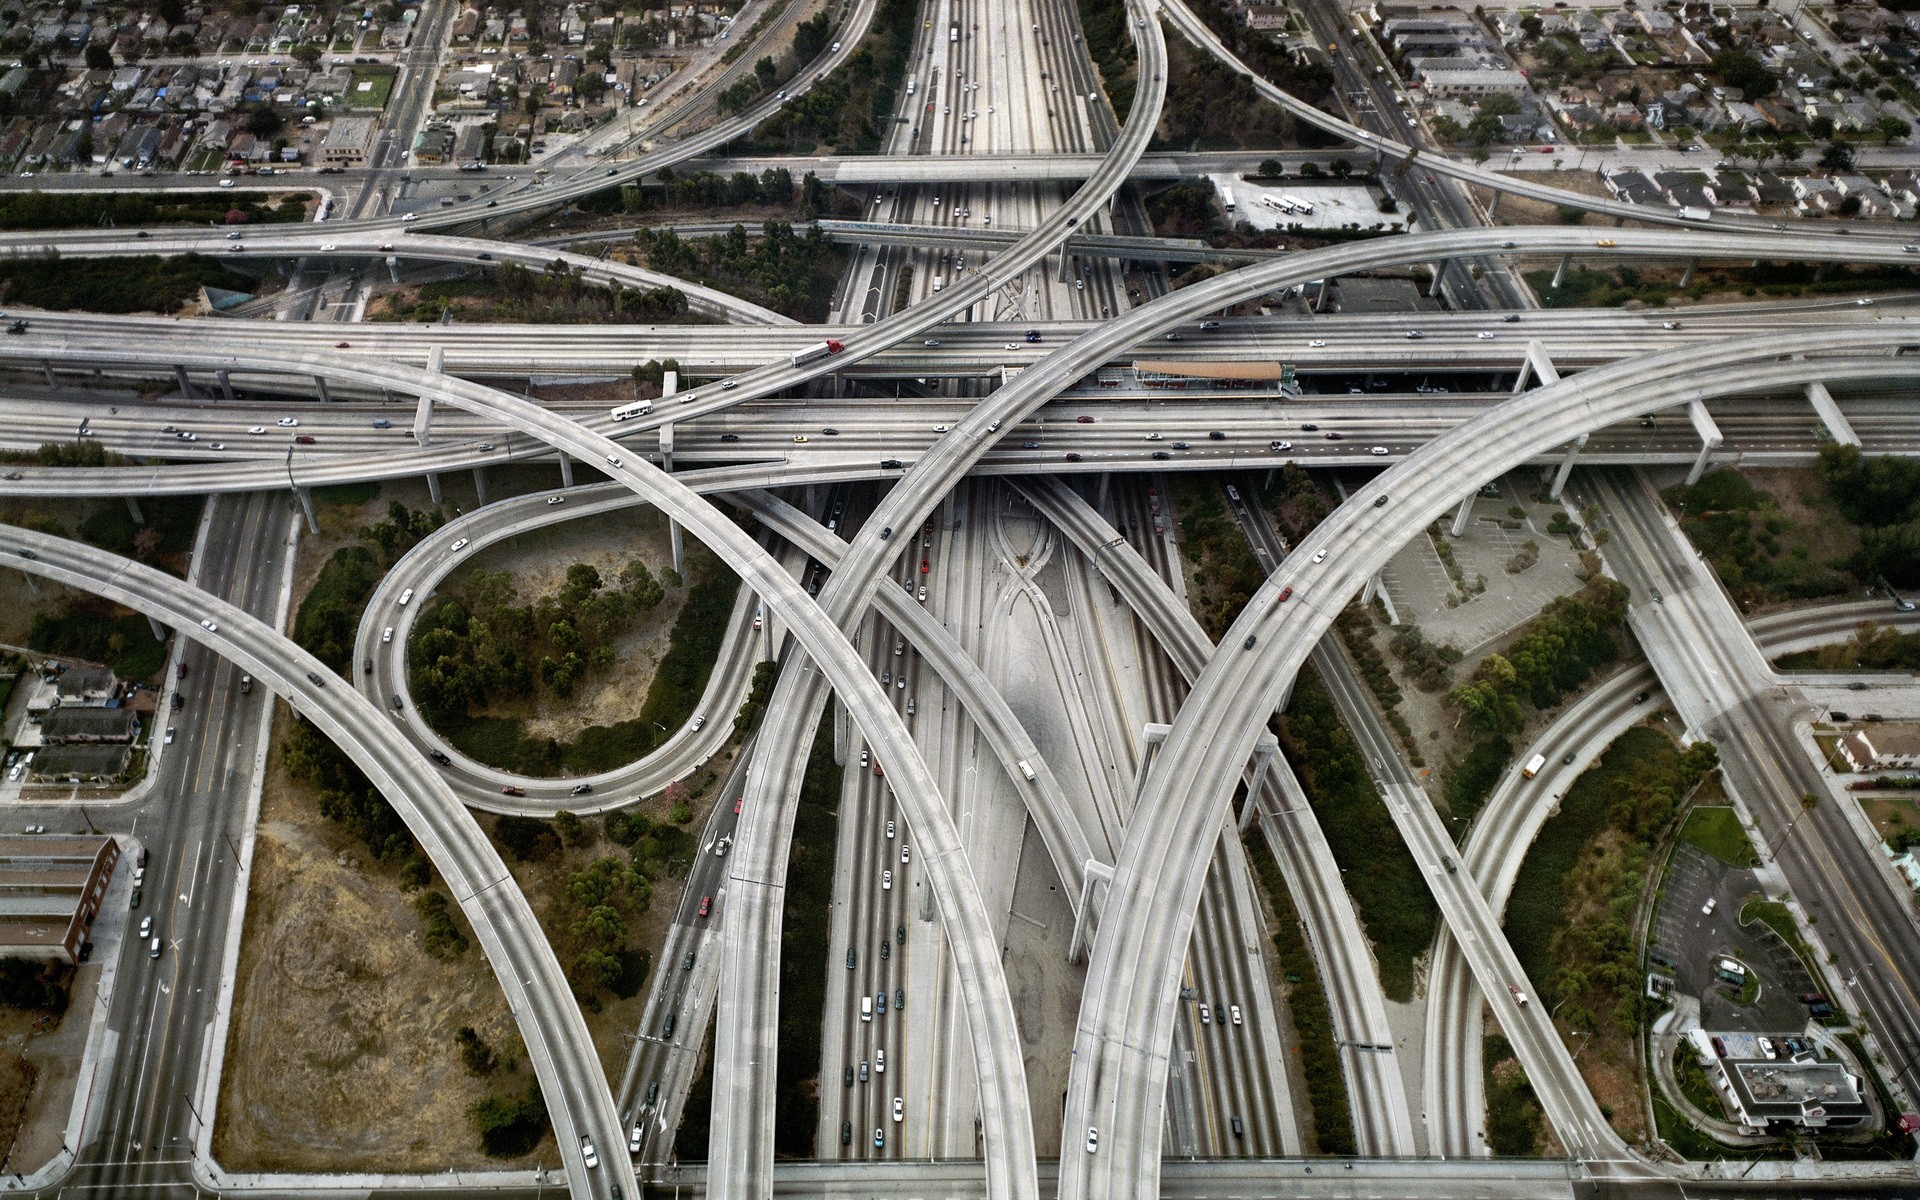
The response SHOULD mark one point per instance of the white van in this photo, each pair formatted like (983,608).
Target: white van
(866,1008)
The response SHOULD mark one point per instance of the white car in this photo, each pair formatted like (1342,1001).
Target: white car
(386,635)
(879,1062)
(614,459)
(289,422)
(226,183)
(864,761)
(1485,335)
(941,428)
(258,429)
(168,742)
(462,543)
(1378,451)
(1278,447)
(1153,437)
(889,827)
(328,247)
(586,1152)
(406,596)
(552,500)
(1706,910)
(923,595)
(1315,344)
(899,1109)
(209,626)
(633,1142)
(146,928)
(1320,556)
(906,853)
(886,881)
(1234,1009)
(1093,1139)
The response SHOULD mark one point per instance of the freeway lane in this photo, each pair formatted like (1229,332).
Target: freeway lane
(549,1021)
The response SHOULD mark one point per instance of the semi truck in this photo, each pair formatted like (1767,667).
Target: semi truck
(817,351)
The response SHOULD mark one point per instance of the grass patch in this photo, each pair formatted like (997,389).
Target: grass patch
(1515,1121)
(1388,890)
(1777,918)
(803,949)
(347,495)
(370,87)
(1694,1084)
(1718,832)
(1307,1000)
(1758,551)
(114,285)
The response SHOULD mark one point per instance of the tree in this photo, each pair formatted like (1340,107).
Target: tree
(1742,70)
(1341,168)
(99,58)
(1310,170)
(1531,26)
(1270,168)
(262,120)
(308,53)
(1892,128)
(1838,156)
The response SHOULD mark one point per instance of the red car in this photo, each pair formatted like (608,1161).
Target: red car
(737,804)
(510,790)
(1084,419)
(923,566)
(706,905)
(1286,594)
(877,770)
(305,439)
(341,345)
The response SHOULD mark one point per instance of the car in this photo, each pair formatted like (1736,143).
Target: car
(304,439)
(587,1155)
(1279,446)
(706,906)
(461,544)
(1605,243)
(1669,324)
(1029,445)
(288,422)
(879,1137)
(906,853)
(1084,419)
(941,428)
(1310,427)
(15,475)
(1519,997)
(133,901)
(633,1141)
(1713,902)
(582,789)
(1033,335)
(440,756)
(1334,435)
(146,928)
(922,597)
(1206,1015)
(1286,594)
(209,626)
(1641,698)
(1093,1139)
(1234,1010)
(890,830)
(1485,335)
(1377,451)
(257,429)
(508,789)
(1216,435)
(226,183)
(1864,302)
(1161,455)
(168,742)
(931,342)
(886,881)
(613,460)
(800,438)
(1319,556)
(1182,446)
(1414,335)
(899,1109)
(843,1132)
(1316,344)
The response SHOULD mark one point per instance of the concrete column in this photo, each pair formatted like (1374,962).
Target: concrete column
(386,395)
(306,506)
(423,421)
(1286,696)
(1566,467)
(226,383)
(393,269)
(1373,585)
(1710,439)
(840,750)
(1462,515)
(320,389)
(433,489)
(48,368)
(1493,206)
(1085,922)
(180,376)
(1525,376)
(1560,272)
(133,510)
(1100,501)
(670,386)
(1830,415)
(1439,270)
(679,548)
(1320,297)
(1264,751)
(1686,276)
(153,623)
(480,484)
(566,469)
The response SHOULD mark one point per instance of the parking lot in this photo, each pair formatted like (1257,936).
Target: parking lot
(1692,940)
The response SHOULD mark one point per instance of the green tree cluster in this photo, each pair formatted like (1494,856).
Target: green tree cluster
(1882,495)
(440,934)
(67,210)
(599,903)
(510,1126)
(1750,542)
(803,949)
(1874,648)
(1737,68)
(706,190)
(848,110)
(1557,651)
(790,273)
(114,285)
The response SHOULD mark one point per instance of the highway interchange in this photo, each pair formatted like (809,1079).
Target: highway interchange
(1171,922)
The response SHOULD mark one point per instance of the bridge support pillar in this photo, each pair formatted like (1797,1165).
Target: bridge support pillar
(48,368)
(423,422)
(180,377)
(320,389)
(1493,206)
(1830,415)
(566,469)
(670,386)
(480,485)
(1106,481)
(1710,439)
(1373,586)
(433,489)
(1439,270)
(1263,754)
(1462,515)
(133,510)
(306,506)
(1084,922)
(393,269)
(226,383)
(1686,276)
(1566,467)
(840,748)
(153,623)
(1320,297)
(1560,272)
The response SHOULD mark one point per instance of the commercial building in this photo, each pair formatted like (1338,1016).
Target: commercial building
(349,143)
(51,889)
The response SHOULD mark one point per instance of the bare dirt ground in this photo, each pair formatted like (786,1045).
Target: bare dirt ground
(539,565)
(1518,210)
(342,1052)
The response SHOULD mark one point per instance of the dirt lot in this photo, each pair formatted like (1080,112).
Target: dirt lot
(341,1055)
(539,565)
(1518,210)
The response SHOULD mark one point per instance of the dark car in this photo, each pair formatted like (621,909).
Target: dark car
(440,756)
(1033,335)
(1161,455)
(582,789)
(17,327)
(729,437)
(1073,456)
(305,439)
(1310,427)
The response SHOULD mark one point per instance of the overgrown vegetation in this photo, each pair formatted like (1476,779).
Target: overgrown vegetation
(1471,776)
(1585,287)
(1554,653)
(477,646)
(95,630)
(1310,80)
(1873,648)
(1186,210)
(1211,106)
(1569,918)
(1307,1001)
(1758,552)
(1356,633)
(77,453)
(1388,891)
(114,285)
(848,109)
(556,295)
(803,950)
(1882,496)
(510,1126)
(789,273)
(1225,573)
(35,984)
(1514,1118)
(1109,42)
(77,210)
